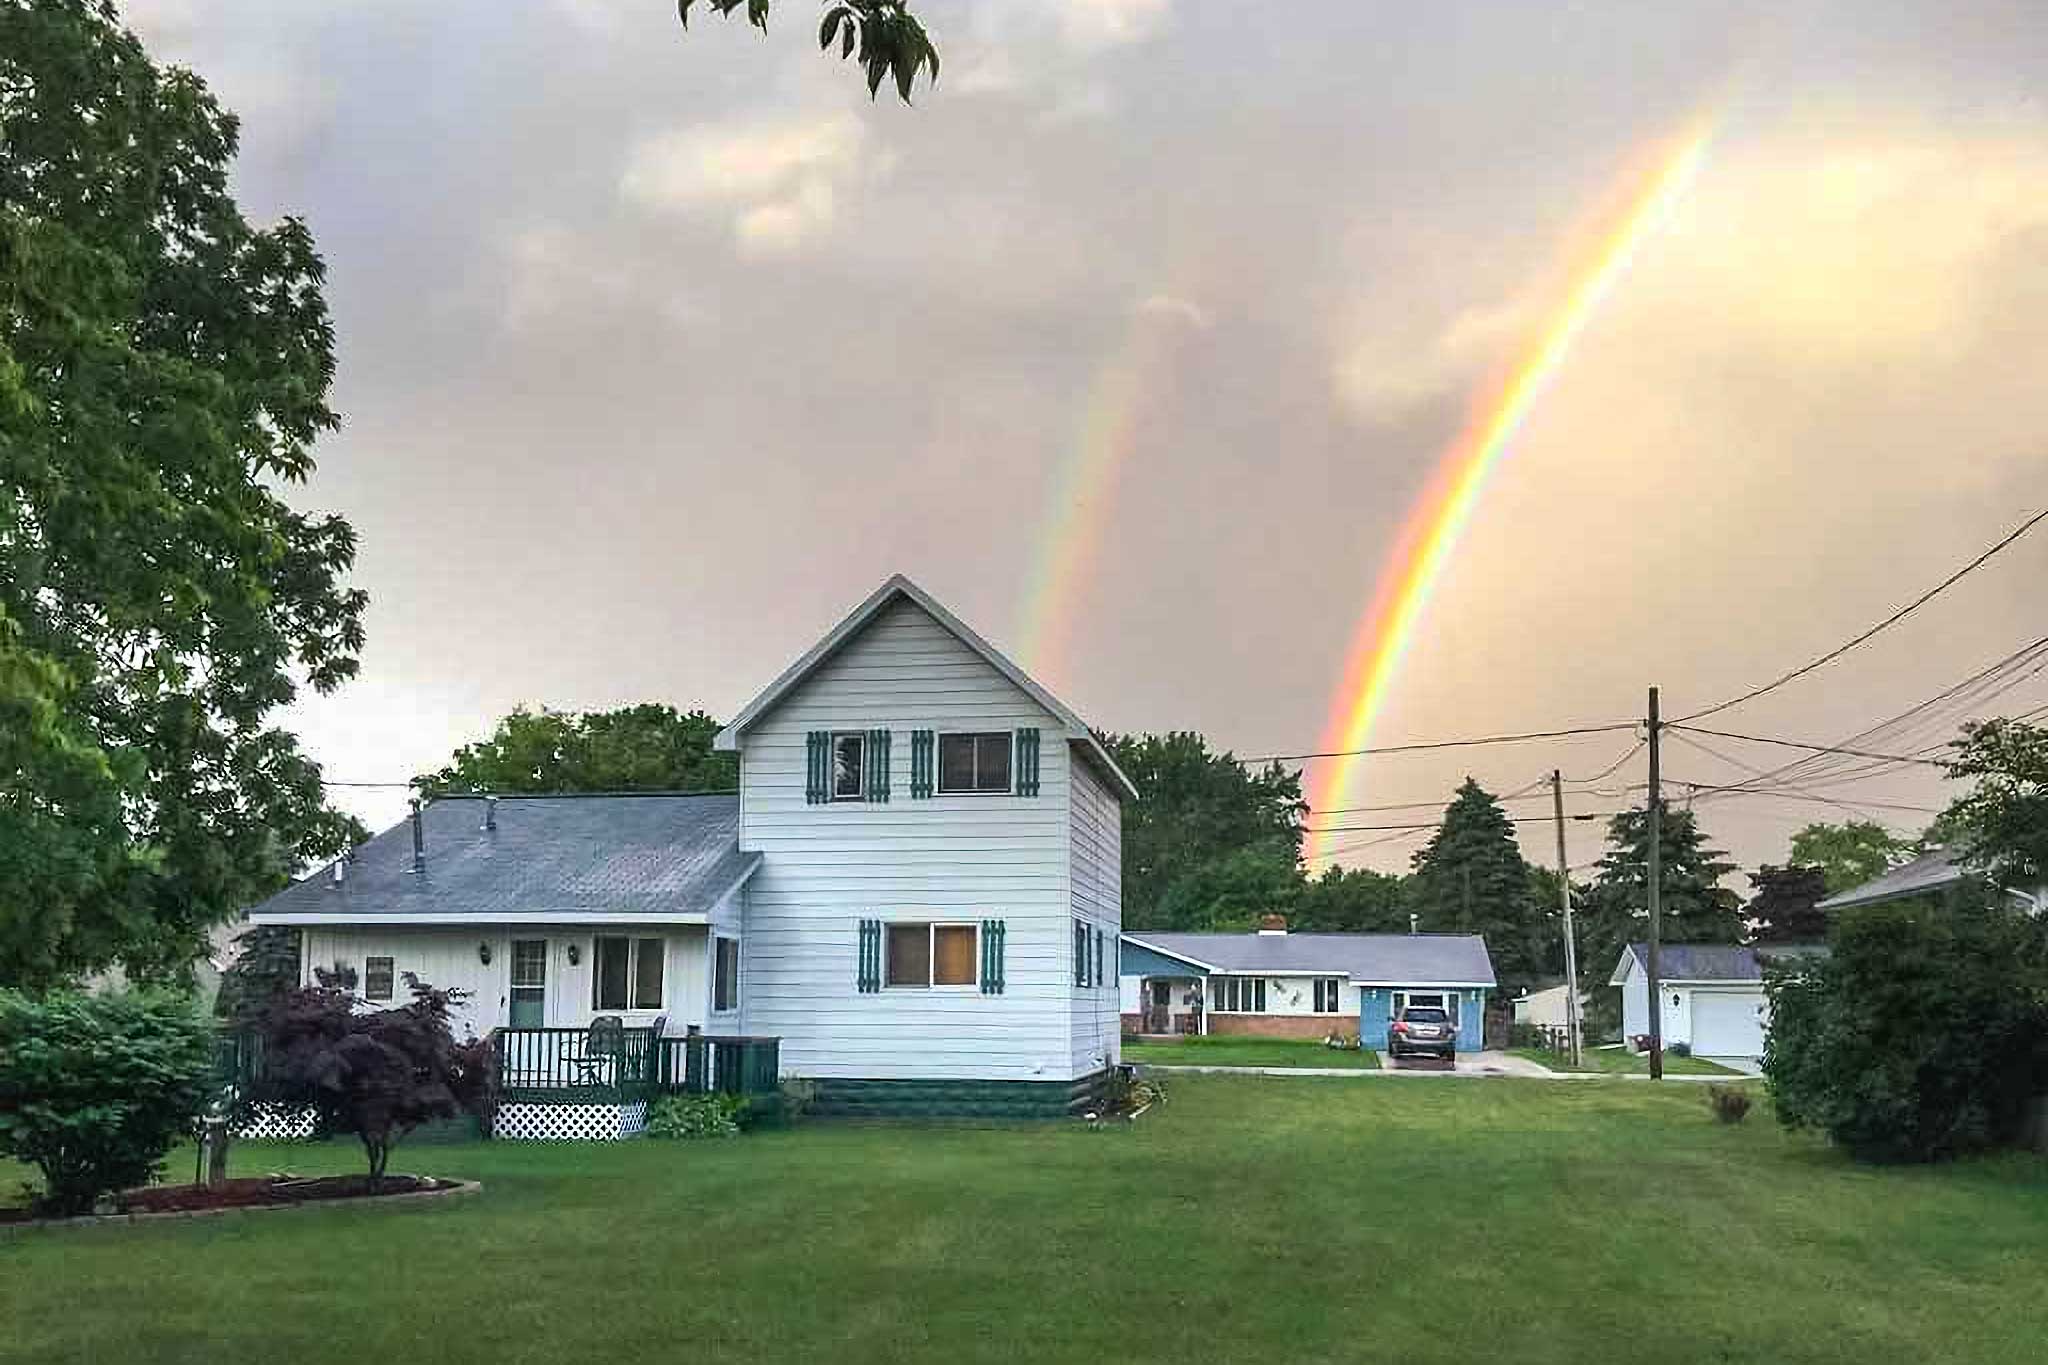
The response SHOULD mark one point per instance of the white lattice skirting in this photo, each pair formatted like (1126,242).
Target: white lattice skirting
(569,1122)
(276,1123)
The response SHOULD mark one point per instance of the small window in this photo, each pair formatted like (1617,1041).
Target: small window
(628,975)
(849,767)
(1329,994)
(932,954)
(377,974)
(725,976)
(975,762)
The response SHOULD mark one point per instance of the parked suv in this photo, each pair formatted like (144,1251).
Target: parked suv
(1423,1031)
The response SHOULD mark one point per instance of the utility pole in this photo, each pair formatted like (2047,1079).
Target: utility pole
(1571,949)
(1656,890)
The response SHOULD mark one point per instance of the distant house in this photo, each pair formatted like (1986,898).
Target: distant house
(911,900)
(1712,996)
(1932,873)
(1544,1007)
(1277,984)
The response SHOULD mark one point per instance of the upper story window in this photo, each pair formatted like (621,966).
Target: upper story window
(974,762)
(849,767)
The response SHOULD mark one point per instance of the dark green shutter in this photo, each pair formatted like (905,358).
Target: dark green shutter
(1080,966)
(920,765)
(993,932)
(869,975)
(1098,957)
(1027,762)
(878,765)
(818,767)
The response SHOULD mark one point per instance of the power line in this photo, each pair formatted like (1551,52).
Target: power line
(1437,824)
(1709,789)
(1445,743)
(1922,600)
(1801,744)
(1756,772)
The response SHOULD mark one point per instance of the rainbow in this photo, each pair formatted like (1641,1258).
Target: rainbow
(1131,385)
(1429,537)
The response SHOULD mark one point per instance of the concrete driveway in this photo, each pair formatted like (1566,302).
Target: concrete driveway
(1468,1064)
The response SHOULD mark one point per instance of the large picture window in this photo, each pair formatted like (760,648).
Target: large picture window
(975,762)
(1240,994)
(628,975)
(849,767)
(725,974)
(926,955)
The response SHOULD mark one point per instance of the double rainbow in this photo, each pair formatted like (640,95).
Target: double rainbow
(1431,533)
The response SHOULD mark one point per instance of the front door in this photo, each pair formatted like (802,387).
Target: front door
(1159,1018)
(529,983)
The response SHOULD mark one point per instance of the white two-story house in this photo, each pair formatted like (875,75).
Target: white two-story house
(916,891)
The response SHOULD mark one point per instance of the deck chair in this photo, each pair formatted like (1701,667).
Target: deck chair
(603,1045)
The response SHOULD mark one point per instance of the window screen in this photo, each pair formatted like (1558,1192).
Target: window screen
(377,974)
(910,955)
(849,767)
(975,762)
(725,985)
(953,955)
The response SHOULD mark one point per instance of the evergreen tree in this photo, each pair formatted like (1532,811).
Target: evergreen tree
(267,966)
(1615,910)
(1470,878)
(1786,906)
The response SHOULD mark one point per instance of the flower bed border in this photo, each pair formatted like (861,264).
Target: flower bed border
(460,1189)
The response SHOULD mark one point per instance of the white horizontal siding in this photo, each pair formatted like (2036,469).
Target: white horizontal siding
(826,867)
(1095,826)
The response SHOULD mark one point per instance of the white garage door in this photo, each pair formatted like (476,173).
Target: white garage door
(1727,1024)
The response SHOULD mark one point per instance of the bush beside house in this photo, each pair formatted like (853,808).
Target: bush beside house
(95,1089)
(1923,1035)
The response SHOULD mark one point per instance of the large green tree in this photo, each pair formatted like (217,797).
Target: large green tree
(2001,826)
(882,35)
(164,369)
(1205,819)
(1352,901)
(649,747)
(1470,878)
(1784,905)
(1695,907)
(1848,854)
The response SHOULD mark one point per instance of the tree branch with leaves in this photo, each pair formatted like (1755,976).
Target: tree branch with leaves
(883,36)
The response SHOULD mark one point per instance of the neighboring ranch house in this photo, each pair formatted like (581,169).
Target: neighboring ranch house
(1934,873)
(1277,984)
(914,894)
(1712,994)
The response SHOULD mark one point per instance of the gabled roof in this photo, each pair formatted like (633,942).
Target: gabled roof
(1364,959)
(899,587)
(551,859)
(1931,871)
(1707,962)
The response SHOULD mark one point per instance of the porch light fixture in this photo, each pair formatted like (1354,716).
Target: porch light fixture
(483,952)
(575,954)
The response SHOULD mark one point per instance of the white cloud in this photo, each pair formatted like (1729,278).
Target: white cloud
(1385,376)
(1095,24)
(780,181)
(1173,308)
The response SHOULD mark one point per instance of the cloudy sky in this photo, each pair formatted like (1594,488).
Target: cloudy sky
(1137,339)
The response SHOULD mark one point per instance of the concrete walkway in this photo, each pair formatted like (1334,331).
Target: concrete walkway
(1468,1064)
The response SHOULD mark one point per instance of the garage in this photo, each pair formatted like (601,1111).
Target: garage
(1727,1023)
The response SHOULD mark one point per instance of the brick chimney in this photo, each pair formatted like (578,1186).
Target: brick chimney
(1272,924)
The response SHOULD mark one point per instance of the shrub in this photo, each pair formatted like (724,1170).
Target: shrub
(696,1116)
(94,1089)
(1729,1103)
(377,1074)
(1924,1034)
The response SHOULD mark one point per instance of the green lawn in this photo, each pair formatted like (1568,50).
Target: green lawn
(1250,1052)
(1620,1061)
(1246,1217)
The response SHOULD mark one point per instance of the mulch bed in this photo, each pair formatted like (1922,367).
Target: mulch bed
(259,1191)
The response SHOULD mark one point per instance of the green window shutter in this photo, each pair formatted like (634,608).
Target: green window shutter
(869,975)
(1080,961)
(878,765)
(1098,957)
(920,765)
(1027,762)
(992,935)
(817,766)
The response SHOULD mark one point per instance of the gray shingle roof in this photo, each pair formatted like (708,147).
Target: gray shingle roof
(1374,959)
(578,855)
(1931,871)
(1710,961)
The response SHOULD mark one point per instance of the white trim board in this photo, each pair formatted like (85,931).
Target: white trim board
(485,921)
